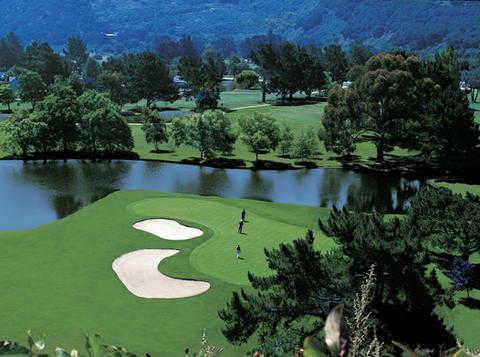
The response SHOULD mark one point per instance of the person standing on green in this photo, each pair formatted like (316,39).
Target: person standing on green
(243,215)
(238,251)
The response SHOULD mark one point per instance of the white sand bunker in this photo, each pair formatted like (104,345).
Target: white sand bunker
(168,229)
(138,271)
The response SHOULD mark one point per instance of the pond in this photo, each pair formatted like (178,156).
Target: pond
(32,194)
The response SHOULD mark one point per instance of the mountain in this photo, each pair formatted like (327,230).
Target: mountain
(116,25)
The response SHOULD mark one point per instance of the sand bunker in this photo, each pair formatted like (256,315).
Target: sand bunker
(138,271)
(168,229)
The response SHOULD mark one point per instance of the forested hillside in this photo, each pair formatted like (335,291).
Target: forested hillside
(116,25)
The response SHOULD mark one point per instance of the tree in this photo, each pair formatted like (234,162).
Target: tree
(211,132)
(287,69)
(207,99)
(102,128)
(247,79)
(259,132)
(7,96)
(154,128)
(179,131)
(114,83)
(286,139)
(92,73)
(76,53)
(19,130)
(31,87)
(306,144)
(41,58)
(461,274)
(284,298)
(235,66)
(406,291)
(11,52)
(341,127)
(61,112)
(335,61)
(358,54)
(150,79)
(446,220)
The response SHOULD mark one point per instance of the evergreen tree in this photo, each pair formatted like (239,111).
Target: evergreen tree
(446,220)
(76,53)
(150,79)
(11,52)
(284,298)
(335,61)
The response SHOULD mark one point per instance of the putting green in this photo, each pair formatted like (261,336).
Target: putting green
(58,280)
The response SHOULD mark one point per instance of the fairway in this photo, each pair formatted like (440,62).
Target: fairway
(61,283)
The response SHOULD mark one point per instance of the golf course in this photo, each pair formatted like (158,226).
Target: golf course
(61,282)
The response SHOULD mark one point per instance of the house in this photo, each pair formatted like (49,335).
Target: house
(465,87)
(345,85)
(12,80)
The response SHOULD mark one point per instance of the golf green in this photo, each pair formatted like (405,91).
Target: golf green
(58,279)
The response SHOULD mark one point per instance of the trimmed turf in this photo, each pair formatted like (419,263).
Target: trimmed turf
(57,279)
(299,117)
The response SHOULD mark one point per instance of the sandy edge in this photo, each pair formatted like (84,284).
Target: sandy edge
(138,271)
(168,229)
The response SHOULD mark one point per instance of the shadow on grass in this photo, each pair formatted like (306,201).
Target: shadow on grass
(470,303)
(12,348)
(162,151)
(221,162)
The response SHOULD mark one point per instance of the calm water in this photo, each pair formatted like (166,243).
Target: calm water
(33,194)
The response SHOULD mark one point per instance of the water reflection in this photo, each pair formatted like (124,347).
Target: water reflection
(32,194)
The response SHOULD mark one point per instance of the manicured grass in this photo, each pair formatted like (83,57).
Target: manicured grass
(228,99)
(57,279)
(459,187)
(299,117)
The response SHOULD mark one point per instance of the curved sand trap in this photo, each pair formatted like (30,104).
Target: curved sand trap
(168,229)
(138,271)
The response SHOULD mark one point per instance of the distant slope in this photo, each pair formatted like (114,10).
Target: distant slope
(417,24)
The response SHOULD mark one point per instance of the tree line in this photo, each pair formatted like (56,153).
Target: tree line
(400,100)
(66,122)
(213,133)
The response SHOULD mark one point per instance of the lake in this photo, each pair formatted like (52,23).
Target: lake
(32,194)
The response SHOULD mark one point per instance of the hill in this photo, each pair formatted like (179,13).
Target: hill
(116,25)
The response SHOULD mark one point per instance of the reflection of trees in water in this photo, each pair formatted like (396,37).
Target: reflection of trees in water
(388,195)
(199,180)
(258,186)
(334,186)
(212,181)
(65,205)
(74,184)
